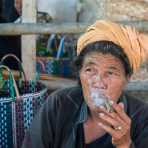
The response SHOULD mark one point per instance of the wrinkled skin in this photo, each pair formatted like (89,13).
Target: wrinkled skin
(111,79)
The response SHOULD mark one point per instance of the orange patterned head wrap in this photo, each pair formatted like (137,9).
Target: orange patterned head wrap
(134,43)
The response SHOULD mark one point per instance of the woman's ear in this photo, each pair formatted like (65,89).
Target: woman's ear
(128,78)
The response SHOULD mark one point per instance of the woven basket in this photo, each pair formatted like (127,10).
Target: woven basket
(19,102)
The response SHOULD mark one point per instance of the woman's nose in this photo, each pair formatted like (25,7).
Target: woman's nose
(99,82)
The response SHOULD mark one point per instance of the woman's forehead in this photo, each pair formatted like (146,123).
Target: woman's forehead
(95,58)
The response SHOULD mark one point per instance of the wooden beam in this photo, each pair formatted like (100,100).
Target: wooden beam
(29,41)
(32,28)
(39,28)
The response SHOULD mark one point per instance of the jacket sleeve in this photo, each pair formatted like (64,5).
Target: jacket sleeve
(41,133)
(141,134)
(142,139)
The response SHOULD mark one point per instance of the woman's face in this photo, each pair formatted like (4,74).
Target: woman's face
(103,72)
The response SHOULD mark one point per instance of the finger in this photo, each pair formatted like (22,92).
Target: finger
(121,105)
(120,111)
(101,109)
(112,122)
(113,115)
(108,129)
(116,117)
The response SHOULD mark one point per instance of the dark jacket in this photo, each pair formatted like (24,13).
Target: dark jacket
(55,126)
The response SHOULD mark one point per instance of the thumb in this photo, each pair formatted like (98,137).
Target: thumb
(121,105)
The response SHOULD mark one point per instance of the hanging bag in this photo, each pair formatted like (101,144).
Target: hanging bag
(8,91)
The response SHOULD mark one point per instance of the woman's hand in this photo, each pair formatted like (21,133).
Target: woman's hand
(117,124)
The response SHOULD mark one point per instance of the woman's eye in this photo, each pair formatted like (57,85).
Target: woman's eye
(113,73)
(88,69)
(110,72)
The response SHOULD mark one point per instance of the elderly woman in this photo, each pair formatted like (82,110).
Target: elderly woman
(97,112)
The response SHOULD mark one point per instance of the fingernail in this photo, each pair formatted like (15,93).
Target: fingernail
(111,102)
(101,114)
(100,124)
(102,107)
(122,105)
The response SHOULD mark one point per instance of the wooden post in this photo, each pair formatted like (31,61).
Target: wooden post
(29,41)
